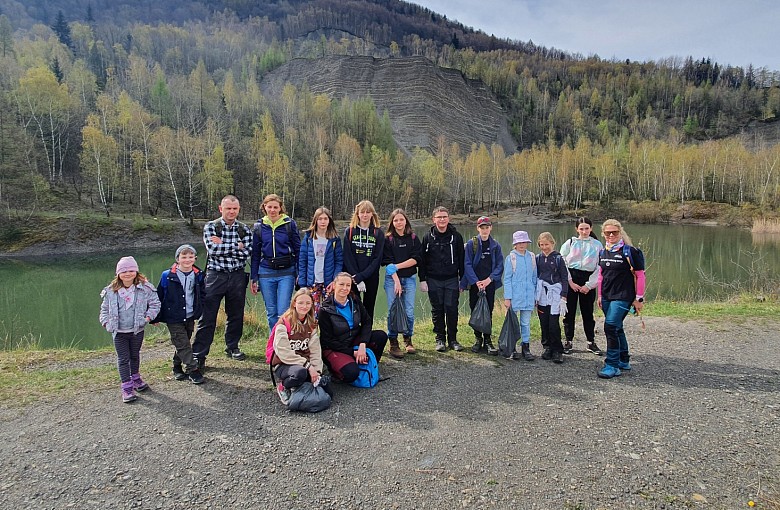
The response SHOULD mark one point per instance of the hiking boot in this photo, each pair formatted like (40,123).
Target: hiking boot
(128,393)
(490,347)
(455,346)
(395,349)
(608,372)
(526,353)
(592,347)
(196,377)
(547,354)
(567,347)
(284,394)
(477,345)
(235,354)
(178,373)
(557,357)
(409,346)
(515,356)
(138,383)
(440,347)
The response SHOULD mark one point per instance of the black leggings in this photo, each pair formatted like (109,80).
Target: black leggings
(369,296)
(586,307)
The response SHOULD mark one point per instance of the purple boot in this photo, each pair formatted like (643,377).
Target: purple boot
(138,383)
(128,393)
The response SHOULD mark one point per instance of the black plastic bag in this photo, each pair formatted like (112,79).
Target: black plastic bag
(510,334)
(398,321)
(481,319)
(309,398)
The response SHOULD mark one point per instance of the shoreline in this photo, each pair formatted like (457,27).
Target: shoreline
(68,237)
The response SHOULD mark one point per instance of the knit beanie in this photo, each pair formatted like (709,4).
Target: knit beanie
(184,247)
(126,264)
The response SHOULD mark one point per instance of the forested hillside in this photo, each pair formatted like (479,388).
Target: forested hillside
(161,107)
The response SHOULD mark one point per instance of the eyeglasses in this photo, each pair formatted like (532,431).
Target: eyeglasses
(611,233)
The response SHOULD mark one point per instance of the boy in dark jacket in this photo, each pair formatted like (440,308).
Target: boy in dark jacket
(181,292)
(483,269)
(440,274)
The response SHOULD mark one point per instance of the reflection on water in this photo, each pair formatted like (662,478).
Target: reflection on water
(58,300)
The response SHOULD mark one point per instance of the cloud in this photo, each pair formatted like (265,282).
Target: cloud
(736,33)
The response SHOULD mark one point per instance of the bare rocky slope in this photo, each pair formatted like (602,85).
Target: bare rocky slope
(424,101)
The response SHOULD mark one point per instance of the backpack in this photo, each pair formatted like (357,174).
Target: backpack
(269,347)
(626,255)
(369,372)
(513,260)
(392,238)
(218,229)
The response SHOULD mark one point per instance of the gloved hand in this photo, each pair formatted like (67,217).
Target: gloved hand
(424,286)
(361,287)
(391,270)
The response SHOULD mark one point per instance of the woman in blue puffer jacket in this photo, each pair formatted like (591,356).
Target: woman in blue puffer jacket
(321,257)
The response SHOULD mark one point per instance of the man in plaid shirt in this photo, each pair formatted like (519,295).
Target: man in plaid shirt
(229,245)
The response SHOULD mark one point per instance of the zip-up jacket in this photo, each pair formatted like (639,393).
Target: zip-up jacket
(472,260)
(443,255)
(147,304)
(173,302)
(334,261)
(271,240)
(552,269)
(335,333)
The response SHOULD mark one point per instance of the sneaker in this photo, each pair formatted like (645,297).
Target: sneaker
(196,377)
(547,354)
(284,394)
(592,347)
(138,383)
(491,348)
(567,347)
(235,354)
(455,346)
(557,357)
(516,356)
(624,365)
(440,347)
(128,393)
(178,373)
(608,372)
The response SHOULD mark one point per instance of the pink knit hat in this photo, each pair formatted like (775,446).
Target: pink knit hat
(126,264)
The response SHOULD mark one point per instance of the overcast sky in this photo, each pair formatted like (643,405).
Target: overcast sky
(736,32)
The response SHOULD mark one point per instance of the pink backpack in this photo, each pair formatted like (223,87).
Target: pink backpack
(269,347)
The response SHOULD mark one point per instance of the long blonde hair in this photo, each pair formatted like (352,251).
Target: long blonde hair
(117,284)
(616,223)
(545,236)
(300,324)
(362,206)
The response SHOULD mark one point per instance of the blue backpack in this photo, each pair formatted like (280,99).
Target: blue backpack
(369,372)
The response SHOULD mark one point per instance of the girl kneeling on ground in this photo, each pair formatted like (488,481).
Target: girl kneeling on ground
(344,325)
(297,352)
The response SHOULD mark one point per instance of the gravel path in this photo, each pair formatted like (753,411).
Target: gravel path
(695,424)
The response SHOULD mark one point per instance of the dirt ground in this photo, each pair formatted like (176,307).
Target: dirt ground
(693,425)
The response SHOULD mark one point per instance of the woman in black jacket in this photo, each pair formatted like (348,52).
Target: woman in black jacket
(345,331)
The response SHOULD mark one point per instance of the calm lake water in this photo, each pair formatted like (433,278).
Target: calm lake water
(57,299)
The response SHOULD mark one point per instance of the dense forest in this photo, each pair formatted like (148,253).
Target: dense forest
(155,107)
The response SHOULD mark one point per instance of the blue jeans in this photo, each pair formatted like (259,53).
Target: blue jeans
(276,286)
(617,345)
(409,285)
(524,317)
